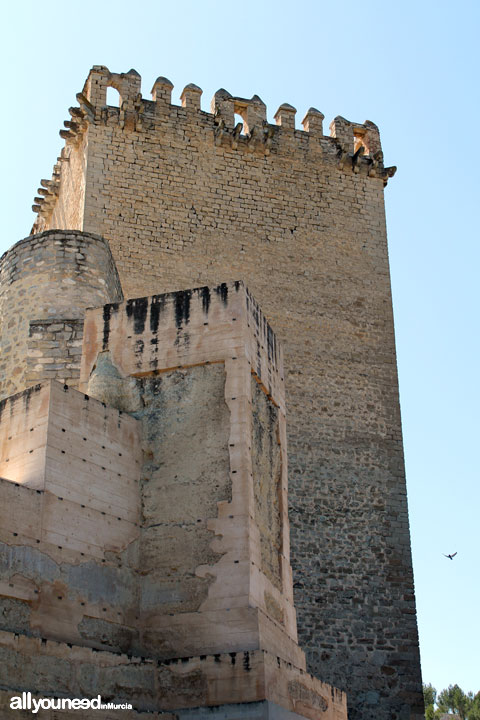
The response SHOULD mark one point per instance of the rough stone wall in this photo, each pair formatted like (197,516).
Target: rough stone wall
(59,341)
(51,276)
(302,220)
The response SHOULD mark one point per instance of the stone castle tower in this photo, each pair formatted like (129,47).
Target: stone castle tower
(167,536)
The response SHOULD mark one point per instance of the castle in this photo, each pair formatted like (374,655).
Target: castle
(202,292)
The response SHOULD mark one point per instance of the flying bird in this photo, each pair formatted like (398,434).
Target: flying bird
(450,556)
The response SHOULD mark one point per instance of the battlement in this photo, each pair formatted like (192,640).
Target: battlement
(351,146)
(344,134)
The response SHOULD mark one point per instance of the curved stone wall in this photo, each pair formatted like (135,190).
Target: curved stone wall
(46,282)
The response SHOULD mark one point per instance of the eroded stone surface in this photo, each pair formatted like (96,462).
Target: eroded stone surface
(267,475)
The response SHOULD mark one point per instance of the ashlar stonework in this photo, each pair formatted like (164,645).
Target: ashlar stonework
(182,210)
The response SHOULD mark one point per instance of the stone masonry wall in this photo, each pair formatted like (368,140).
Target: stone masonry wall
(50,277)
(61,200)
(250,685)
(59,340)
(183,363)
(185,473)
(68,212)
(69,519)
(184,199)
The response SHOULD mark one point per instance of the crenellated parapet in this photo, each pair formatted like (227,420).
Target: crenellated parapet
(100,78)
(353,147)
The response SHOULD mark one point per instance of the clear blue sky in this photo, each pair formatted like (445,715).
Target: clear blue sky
(411,67)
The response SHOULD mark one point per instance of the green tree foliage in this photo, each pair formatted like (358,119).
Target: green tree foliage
(474,713)
(453,701)
(429,697)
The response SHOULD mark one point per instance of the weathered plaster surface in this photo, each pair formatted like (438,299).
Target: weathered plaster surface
(267,478)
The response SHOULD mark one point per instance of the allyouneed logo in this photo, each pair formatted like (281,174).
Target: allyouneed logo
(26,702)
